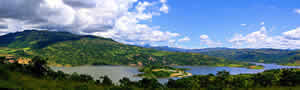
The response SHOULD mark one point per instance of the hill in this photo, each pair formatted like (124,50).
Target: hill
(37,75)
(63,48)
(279,56)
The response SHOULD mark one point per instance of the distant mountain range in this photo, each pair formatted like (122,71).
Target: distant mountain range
(266,55)
(173,49)
(63,48)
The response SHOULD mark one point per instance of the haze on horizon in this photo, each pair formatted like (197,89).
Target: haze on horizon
(174,23)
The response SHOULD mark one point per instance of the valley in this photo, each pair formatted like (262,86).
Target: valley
(66,49)
(94,60)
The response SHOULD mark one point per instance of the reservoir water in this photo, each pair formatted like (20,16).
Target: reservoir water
(118,72)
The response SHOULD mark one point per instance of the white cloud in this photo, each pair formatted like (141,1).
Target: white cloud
(262,23)
(164,8)
(172,43)
(163,1)
(260,39)
(297,11)
(205,40)
(293,34)
(185,39)
(204,37)
(243,24)
(117,19)
(255,38)
(252,37)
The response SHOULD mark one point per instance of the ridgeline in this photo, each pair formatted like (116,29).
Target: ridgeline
(67,49)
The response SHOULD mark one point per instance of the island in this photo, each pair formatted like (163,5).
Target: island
(163,72)
(256,67)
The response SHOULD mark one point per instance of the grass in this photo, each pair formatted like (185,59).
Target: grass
(291,64)
(256,67)
(163,72)
(19,80)
(235,65)
(6,50)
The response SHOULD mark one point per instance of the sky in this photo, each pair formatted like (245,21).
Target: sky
(176,23)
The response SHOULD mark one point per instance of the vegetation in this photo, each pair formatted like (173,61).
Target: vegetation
(162,72)
(64,48)
(271,79)
(38,75)
(294,60)
(279,56)
(285,57)
(256,67)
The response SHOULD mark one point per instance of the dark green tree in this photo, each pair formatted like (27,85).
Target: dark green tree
(85,78)
(39,66)
(149,83)
(106,80)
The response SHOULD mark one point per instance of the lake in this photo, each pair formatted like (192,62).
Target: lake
(118,72)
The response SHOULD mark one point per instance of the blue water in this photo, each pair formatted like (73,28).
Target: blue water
(118,72)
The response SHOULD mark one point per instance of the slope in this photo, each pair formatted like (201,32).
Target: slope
(66,48)
(279,56)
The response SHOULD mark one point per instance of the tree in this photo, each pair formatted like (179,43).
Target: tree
(125,81)
(106,80)
(75,76)
(171,83)
(39,66)
(149,83)
(2,60)
(288,77)
(60,75)
(85,78)
(223,78)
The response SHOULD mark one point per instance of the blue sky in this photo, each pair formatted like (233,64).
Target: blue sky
(222,19)
(174,23)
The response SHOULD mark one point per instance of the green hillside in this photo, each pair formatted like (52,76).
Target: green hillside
(258,55)
(279,56)
(37,75)
(66,48)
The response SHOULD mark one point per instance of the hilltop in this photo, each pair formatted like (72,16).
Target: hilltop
(63,48)
(264,55)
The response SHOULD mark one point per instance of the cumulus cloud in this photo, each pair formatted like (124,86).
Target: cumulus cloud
(204,37)
(117,19)
(262,23)
(256,37)
(3,26)
(293,34)
(297,11)
(205,40)
(185,39)
(243,24)
(164,8)
(81,3)
(261,39)
(172,43)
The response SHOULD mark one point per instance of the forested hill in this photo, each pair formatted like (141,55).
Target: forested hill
(258,55)
(38,39)
(280,56)
(69,49)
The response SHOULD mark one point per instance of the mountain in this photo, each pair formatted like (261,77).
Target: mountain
(174,49)
(265,55)
(65,48)
(166,48)
(209,49)
(38,39)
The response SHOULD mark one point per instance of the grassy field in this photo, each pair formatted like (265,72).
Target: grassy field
(256,67)
(6,51)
